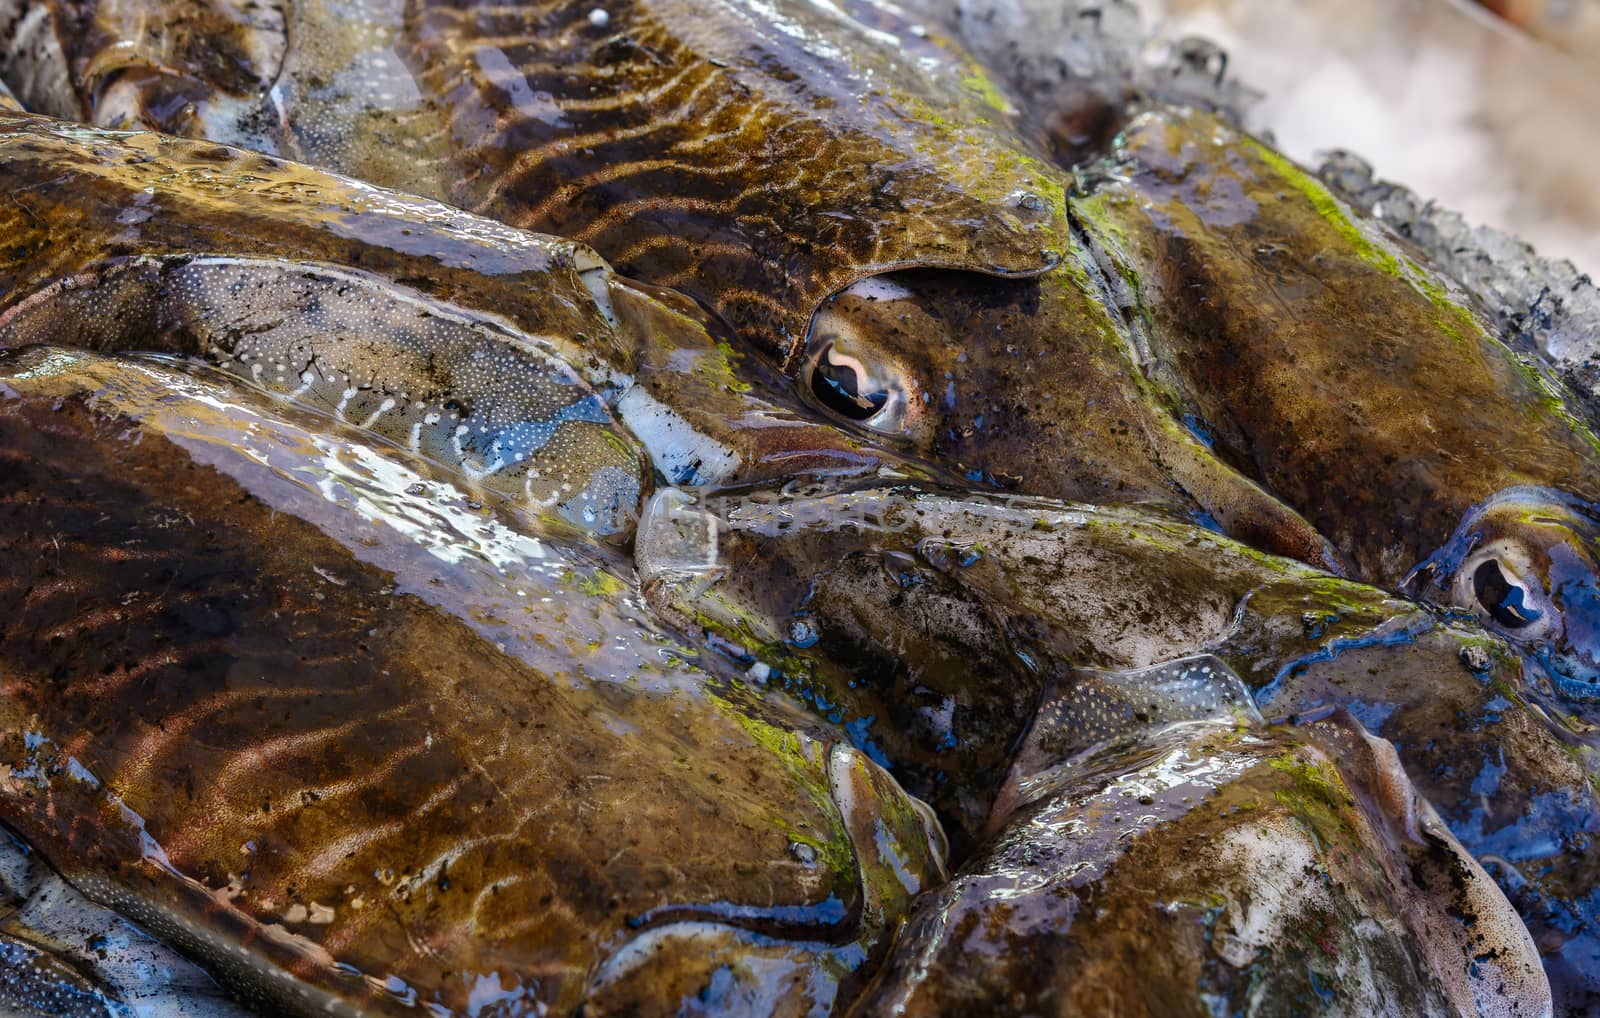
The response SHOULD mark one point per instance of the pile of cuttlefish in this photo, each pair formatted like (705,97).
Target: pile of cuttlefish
(741,507)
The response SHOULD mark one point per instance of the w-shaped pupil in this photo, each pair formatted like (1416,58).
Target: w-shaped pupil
(1502,598)
(839,389)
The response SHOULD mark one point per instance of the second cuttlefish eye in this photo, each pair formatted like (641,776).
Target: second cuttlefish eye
(844,385)
(850,370)
(1501,583)
(1507,602)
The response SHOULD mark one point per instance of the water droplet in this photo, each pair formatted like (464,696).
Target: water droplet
(803,633)
(1475,658)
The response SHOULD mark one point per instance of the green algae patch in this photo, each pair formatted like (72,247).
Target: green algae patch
(1330,209)
(1316,795)
(1451,317)
(719,365)
(833,849)
(601,584)
(965,142)
(980,86)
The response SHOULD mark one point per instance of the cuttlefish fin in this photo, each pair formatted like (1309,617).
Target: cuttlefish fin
(1093,711)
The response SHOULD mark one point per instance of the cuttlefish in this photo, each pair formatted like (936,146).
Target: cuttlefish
(1196,325)
(1355,384)
(285,692)
(521,364)
(934,628)
(759,159)
(311,717)
(1177,857)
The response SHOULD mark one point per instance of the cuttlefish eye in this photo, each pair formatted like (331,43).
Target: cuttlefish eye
(844,385)
(1526,561)
(1502,585)
(850,370)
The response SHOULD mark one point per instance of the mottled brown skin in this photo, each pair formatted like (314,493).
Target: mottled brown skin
(1034,386)
(78,198)
(918,607)
(941,619)
(706,149)
(1353,383)
(1204,867)
(1515,783)
(757,166)
(227,72)
(83,201)
(928,667)
(117,55)
(580,28)
(687,363)
(206,693)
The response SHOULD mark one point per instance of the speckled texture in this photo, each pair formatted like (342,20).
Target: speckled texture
(567,796)
(254,714)
(934,627)
(1204,868)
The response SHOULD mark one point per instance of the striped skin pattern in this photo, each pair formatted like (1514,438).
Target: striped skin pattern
(674,938)
(517,422)
(759,160)
(260,730)
(86,202)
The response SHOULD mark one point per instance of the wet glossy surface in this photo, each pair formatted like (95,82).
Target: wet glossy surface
(1356,384)
(382,758)
(693,146)
(970,355)
(1206,868)
(429,277)
(447,621)
(67,956)
(707,150)
(932,628)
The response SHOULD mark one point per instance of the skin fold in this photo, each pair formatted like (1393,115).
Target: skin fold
(1203,863)
(554,124)
(838,261)
(1354,384)
(657,132)
(142,242)
(676,138)
(311,718)
(933,627)
(1037,378)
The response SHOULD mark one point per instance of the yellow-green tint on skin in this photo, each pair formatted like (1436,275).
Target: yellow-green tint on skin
(832,846)
(1317,797)
(1451,317)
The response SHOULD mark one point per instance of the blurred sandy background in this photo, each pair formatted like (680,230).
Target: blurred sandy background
(1500,123)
